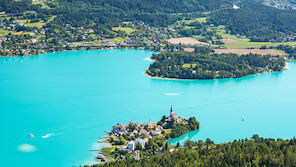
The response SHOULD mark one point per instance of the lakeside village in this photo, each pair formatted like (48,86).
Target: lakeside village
(21,39)
(136,140)
(280,4)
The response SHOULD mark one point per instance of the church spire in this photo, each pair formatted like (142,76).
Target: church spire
(171,109)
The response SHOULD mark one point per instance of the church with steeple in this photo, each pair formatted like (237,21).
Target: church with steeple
(174,116)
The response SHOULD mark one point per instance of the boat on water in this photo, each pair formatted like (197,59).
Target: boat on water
(31,135)
(243,119)
(46,136)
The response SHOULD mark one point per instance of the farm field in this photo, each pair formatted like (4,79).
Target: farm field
(245,51)
(186,40)
(125,29)
(200,19)
(4,32)
(254,51)
(39,24)
(234,42)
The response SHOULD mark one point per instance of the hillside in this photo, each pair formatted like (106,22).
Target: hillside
(45,26)
(258,22)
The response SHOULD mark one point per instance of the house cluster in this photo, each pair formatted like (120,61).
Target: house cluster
(9,25)
(33,40)
(286,38)
(149,37)
(18,39)
(138,134)
(280,4)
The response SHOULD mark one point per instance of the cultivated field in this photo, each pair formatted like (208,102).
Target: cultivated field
(234,42)
(125,29)
(189,49)
(247,51)
(187,41)
(227,40)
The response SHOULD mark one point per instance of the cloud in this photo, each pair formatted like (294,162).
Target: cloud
(27,148)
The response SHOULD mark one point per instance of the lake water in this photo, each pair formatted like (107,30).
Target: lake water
(74,96)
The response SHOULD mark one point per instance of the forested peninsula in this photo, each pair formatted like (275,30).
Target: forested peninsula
(252,152)
(138,140)
(184,65)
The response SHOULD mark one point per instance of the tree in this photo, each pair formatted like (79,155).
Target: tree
(166,147)
(139,146)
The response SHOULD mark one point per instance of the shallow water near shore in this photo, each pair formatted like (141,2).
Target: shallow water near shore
(70,98)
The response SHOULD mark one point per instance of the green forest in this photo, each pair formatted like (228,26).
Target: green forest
(258,22)
(254,152)
(184,65)
(178,129)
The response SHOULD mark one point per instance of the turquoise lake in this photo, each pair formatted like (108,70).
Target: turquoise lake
(74,96)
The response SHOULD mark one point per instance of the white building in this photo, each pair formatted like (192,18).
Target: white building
(131,146)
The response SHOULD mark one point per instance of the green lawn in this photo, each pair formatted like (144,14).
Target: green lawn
(37,24)
(97,43)
(117,39)
(244,42)
(200,19)
(42,3)
(188,27)
(125,29)
(5,32)
(188,65)
(51,19)
(94,36)
(27,23)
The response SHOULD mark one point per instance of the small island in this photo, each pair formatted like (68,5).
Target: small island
(203,65)
(136,140)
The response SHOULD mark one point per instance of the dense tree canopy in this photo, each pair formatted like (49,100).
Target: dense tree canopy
(258,22)
(111,12)
(252,152)
(185,65)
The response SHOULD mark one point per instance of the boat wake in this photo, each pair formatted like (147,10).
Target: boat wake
(171,94)
(148,59)
(47,135)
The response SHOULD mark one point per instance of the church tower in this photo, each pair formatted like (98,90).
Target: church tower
(149,124)
(172,114)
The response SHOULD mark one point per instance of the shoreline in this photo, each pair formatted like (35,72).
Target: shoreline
(125,138)
(110,48)
(178,79)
